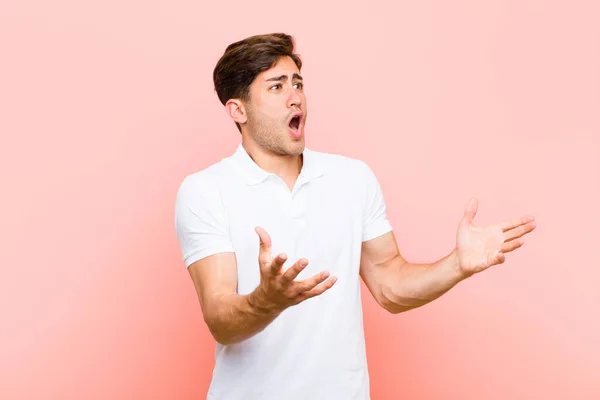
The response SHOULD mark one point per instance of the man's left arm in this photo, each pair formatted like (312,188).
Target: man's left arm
(398,285)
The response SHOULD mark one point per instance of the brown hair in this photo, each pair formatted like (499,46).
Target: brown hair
(244,60)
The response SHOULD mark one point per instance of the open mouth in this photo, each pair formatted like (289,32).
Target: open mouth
(295,122)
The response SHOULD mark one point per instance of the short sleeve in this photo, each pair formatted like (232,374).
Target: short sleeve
(200,221)
(375,221)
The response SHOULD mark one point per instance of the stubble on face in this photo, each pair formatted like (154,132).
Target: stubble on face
(267,133)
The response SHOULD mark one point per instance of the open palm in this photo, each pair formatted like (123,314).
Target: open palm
(478,248)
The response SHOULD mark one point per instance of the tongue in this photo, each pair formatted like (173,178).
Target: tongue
(295,132)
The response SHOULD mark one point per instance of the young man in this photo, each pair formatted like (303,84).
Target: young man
(277,236)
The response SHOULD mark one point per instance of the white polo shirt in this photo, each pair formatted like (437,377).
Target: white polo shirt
(314,350)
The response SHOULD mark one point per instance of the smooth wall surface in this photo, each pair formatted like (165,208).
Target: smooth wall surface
(106,106)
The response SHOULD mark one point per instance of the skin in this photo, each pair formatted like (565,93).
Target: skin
(399,286)
(275,95)
(396,284)
(265,116)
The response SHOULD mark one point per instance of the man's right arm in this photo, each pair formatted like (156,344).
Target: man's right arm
(231,317)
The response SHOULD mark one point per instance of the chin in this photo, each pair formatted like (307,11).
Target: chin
(296,148)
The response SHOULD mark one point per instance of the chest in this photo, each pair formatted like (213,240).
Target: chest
(320,221)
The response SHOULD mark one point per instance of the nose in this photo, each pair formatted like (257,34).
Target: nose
(294,98)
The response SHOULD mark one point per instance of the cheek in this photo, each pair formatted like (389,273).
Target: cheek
(273,112)
(265,120)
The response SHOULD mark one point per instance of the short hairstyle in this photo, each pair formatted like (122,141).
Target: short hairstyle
(245,59)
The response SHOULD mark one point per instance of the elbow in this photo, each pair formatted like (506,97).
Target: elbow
(386,300)
(215,330)
(220,337)
(395,302)
(223,340)
(392,307)
(220,331)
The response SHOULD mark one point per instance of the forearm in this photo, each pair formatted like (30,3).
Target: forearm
(409,286)
(232,318)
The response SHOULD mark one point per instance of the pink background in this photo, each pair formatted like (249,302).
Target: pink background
(106,106)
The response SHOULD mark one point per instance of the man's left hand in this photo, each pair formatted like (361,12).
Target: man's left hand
(478,248)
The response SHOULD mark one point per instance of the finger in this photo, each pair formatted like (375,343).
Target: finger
(320,289)
(471,210)
(512,245)
(520,231)
(513,223)
(310,283)
(264,254)
(293,271)
(277,263)
(500,258)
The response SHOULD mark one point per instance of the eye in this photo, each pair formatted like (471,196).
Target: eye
(299,85)
(275,86)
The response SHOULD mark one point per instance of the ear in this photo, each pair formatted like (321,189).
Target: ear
(236,110)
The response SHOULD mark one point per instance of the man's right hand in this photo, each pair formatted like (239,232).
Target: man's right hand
(278,290)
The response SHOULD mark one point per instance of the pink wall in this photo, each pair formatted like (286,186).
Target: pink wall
(105,107)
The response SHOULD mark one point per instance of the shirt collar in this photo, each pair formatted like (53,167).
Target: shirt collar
(253,174)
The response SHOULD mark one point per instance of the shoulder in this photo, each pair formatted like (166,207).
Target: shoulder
(343,167)
(203,183)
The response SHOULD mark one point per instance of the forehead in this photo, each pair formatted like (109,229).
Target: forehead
(284,66)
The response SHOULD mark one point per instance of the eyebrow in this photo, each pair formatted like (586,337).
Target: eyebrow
(284,78)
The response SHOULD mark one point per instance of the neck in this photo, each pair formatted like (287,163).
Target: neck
(285,166)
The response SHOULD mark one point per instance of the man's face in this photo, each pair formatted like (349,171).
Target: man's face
(277,109)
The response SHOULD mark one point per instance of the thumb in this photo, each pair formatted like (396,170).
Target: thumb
(265,243)
(471,210)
